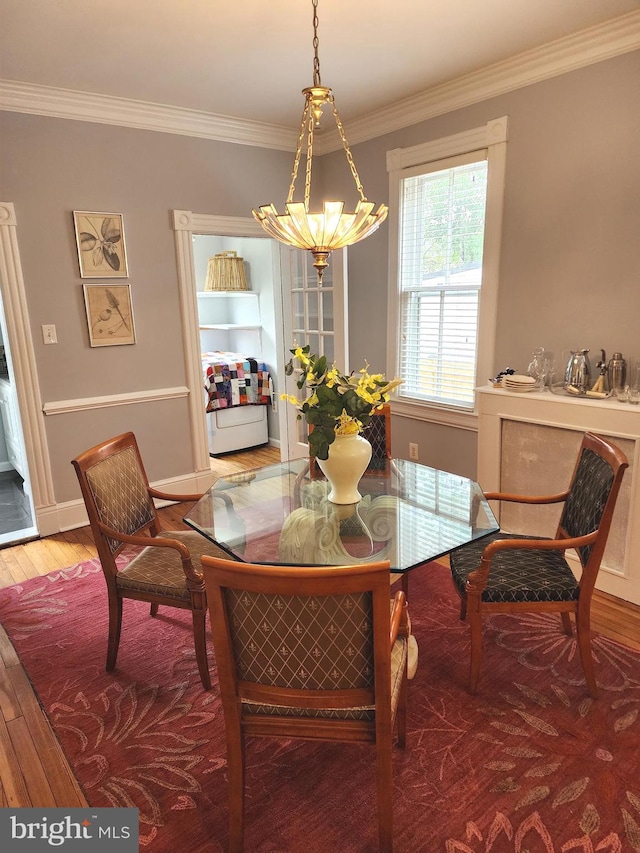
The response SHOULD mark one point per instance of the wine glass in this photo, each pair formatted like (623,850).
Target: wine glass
(551,369)
(536,367)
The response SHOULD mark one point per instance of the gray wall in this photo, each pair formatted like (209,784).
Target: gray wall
(51,167)
(570,272)
(570,267)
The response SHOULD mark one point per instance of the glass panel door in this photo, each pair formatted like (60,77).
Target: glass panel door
(314,313)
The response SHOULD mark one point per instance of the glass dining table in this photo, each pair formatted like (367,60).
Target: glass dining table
(279,514)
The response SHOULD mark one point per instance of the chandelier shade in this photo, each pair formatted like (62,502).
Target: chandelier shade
(320,232)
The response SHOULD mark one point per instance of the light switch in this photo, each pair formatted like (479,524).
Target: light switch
(49,335)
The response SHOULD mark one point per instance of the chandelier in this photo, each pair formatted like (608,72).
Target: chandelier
(320,233)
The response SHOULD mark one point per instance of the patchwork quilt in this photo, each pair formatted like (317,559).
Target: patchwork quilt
(232,379)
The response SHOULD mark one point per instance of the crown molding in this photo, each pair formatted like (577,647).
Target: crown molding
(595,44)
(618,36)
(104,109)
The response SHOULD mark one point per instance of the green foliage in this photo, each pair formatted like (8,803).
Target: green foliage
(336,403)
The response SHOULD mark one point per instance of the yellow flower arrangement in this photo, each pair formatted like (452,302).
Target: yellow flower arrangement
(336,404)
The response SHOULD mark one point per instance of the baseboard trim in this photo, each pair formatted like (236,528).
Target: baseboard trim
(72,514)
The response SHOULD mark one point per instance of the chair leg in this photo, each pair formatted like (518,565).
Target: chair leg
(199,637)
(236,772)
(115,625)
(583,634)
(566,624)
(154,609)
(385,796)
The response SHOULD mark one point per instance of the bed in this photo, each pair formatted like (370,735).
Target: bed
(237,393)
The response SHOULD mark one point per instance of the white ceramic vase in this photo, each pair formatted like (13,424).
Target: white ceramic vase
(349,456)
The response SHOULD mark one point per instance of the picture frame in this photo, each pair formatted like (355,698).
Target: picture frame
(109,314)
(101,246)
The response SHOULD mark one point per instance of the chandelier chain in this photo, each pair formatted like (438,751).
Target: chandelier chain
(331,227)
(307,177)
(347,150)
(316,59)
(296,161)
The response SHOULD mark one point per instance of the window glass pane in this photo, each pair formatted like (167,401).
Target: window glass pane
(328,348)
(312,308)
(314,342)
(297,301)
(440,267)
(327,311)
(327,276)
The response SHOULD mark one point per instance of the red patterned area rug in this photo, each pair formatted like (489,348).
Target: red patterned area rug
(530,764)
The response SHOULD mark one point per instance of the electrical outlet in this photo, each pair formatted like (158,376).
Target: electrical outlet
(413,451)
(49,335)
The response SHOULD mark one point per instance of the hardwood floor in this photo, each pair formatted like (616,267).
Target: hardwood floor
(33,769)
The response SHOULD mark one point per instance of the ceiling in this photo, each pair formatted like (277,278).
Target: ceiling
(250,58)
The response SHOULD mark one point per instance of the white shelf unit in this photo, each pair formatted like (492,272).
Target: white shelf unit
(229,321)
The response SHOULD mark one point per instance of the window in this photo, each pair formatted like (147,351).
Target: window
(440,272)
(445,233)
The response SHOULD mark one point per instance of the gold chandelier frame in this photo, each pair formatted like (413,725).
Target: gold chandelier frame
(331,228)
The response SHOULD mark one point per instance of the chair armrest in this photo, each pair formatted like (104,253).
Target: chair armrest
(155,493)
(399,618)
(538,544)
(478,578)
(157,542)
(527,499)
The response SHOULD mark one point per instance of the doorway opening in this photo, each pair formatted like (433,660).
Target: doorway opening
(17,514)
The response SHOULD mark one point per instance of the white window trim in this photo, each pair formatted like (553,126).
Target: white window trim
(491,137)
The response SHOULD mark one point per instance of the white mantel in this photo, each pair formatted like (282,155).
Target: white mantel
(527,443)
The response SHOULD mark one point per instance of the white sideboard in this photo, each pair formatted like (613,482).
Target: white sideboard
(527,444)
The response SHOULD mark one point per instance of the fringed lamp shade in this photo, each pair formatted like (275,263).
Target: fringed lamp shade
(226,272)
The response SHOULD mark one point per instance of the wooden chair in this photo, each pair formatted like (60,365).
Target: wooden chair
(119,503)
(515,573)
(308,653)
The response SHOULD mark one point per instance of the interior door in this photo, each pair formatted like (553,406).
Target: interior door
(314,313)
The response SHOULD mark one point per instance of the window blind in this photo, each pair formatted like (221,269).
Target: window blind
(442,220)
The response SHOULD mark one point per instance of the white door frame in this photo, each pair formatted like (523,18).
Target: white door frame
(185,225)
(26,374)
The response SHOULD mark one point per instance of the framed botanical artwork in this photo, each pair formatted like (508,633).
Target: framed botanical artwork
(100,240)
(109,314)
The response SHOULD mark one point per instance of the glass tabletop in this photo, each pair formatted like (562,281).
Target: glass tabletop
(280,514)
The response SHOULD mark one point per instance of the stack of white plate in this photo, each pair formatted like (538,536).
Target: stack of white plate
(518,383)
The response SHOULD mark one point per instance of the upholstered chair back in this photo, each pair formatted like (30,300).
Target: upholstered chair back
(302,642)
(588,496)
(120,494)
(378,434)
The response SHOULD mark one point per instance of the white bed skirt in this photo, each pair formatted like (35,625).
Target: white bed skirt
(237,428)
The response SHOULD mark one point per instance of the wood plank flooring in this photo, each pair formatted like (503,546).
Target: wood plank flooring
(33,769)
